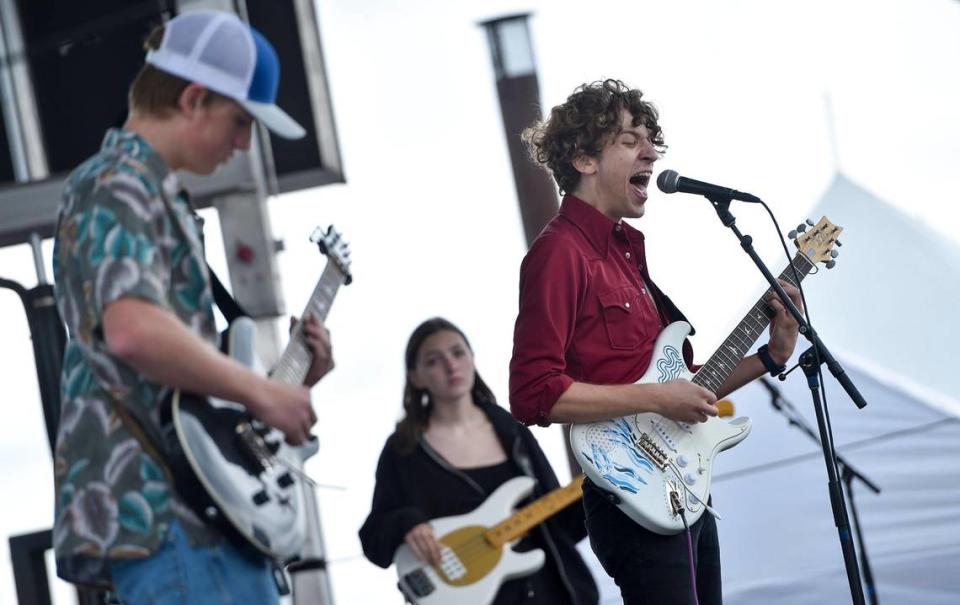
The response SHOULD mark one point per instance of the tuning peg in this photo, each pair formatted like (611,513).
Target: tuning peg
(811,223)
(834,253)
(831,264)
(838,243)
(793,234)
(801,227)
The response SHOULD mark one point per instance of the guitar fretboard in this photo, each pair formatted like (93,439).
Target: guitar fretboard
(297,358)
(534,513)
(719,367)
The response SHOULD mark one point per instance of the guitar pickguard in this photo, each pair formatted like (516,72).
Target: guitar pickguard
(617,436)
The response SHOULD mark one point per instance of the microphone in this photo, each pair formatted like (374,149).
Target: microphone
(671,182)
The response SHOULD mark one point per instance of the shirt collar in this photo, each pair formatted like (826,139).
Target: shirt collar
(596,226)
(135,147)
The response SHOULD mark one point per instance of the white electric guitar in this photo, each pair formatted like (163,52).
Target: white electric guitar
(235,471)
(658,467)
(475,548)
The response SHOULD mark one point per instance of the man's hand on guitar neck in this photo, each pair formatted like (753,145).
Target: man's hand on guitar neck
(318,339)
(783,326)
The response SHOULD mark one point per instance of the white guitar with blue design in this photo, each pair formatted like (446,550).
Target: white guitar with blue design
(658,467)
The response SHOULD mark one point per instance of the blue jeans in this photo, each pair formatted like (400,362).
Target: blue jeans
(180,574)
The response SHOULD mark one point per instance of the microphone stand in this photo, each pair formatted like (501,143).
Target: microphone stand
(820,355)
(847,471)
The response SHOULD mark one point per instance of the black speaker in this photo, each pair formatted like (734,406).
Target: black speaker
(6,161)
(82,58)
(277,20)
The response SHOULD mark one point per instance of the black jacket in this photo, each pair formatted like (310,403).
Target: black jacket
(414,488)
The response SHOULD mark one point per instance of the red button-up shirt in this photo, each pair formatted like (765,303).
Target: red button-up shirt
(588,310)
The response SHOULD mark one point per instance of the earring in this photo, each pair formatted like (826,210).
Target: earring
(425,398)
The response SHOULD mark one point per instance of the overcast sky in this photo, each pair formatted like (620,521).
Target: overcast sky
(746,91)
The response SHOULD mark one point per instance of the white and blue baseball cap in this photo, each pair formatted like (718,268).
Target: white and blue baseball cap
(219,51)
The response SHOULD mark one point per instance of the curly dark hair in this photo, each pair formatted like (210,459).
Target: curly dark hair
(417,403)
(582,126)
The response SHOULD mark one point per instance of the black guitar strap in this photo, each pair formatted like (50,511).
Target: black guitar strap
(227,304)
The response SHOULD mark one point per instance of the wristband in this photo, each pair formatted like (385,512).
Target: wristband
(773,367)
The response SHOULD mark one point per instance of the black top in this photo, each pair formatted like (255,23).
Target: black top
(489,478)
(414,488)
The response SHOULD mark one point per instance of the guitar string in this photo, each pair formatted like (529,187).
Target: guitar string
(756,319)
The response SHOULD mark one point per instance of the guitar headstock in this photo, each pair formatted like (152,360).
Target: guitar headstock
(332,244)
(820,242)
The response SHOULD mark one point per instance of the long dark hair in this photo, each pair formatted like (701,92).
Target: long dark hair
(417,403)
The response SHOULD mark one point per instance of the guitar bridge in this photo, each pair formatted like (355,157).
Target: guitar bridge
(254,447)
(653,451)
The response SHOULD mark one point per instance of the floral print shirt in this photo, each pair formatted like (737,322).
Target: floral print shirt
(125,230)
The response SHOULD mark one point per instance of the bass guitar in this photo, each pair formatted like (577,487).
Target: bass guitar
(660,469)
(475,547)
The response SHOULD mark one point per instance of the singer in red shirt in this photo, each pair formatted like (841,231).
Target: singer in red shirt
(588,318)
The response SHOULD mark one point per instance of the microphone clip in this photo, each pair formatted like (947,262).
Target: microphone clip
(721,204)
(782,376)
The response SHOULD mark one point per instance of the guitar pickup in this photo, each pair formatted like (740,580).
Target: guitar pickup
(285,480)
(260,498)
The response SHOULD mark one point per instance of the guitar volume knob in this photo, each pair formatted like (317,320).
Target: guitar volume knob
(690,478)
(682,461)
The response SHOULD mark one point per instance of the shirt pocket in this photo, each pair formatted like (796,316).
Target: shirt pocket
(627,319)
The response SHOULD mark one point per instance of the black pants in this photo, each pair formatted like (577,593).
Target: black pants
(651,569)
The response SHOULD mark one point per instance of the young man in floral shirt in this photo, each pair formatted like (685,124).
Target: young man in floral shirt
(133,289)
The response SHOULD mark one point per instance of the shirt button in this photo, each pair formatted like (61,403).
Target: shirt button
(626,304)
(618,227)
(628,255)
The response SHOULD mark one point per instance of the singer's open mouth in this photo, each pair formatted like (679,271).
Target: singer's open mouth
(641,178)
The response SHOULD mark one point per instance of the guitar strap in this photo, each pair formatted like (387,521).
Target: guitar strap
(227,304)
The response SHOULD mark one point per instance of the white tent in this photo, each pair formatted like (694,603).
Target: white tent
(778,536)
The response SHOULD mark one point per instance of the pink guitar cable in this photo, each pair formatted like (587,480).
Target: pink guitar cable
(693,571)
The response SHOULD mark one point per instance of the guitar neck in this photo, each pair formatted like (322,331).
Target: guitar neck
(296,358)
(719,367)
(534,513)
